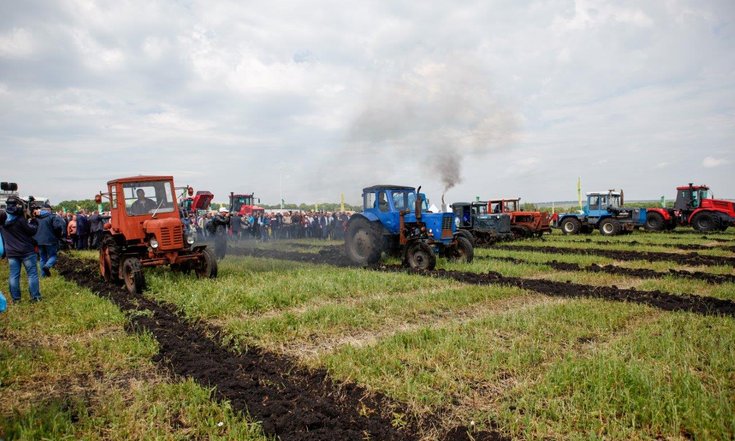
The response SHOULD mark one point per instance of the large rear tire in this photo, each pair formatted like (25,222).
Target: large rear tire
(132,275)
(109,259)
(655,222)
(420,256)
(571,225)
(207,267)
(705,222)
(363,245)
(462,252)
(609,227)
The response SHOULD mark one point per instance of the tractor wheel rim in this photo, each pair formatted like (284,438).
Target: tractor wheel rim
(607,228)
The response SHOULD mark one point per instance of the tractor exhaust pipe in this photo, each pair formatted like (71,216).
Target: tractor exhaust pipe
(417,205)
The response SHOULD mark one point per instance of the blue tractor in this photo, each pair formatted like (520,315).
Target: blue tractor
(396,220)
(603,211)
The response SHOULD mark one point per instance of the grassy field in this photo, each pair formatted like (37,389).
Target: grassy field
(529,365)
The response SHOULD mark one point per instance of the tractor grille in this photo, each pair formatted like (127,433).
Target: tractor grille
(447,222)
(171,238)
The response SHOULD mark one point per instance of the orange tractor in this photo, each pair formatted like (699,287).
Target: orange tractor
(522,223)
(146,229)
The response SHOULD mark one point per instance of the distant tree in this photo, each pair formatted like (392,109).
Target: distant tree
(84,204)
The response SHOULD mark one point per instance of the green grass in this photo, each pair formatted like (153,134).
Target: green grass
(433,368)
(248,286)
(533,366)
(69,370)
(669,378)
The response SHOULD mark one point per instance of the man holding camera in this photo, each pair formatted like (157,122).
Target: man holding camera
(20,246)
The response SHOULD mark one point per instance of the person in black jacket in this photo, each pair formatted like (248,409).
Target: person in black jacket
(51,228)
(20,248)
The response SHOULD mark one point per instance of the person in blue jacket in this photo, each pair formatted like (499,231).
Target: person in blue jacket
(20,247)
(51,229)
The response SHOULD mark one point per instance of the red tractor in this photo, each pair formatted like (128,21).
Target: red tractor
(146,229)
(244,204)
(522,223)
(693,206)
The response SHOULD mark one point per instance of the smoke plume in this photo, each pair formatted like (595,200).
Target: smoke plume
(435,114)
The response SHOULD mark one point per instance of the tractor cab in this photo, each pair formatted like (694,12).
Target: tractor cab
(690,197)
(600,204)
(503,205)
(394,204)
(244,204)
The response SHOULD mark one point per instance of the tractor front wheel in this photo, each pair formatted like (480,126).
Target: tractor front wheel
(462,251)
(571,226)
(362,243)
(654,221)
(609,227)
(207,267)
(705,223)
(132,275)
(420,256)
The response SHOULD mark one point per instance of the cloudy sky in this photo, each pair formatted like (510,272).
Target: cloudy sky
(313,99)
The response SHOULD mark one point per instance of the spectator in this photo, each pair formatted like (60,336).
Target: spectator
(51,229)
(20,249)
(71,231)
(82,230)
(96,227)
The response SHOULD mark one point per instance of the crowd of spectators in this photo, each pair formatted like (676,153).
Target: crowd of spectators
(263,226)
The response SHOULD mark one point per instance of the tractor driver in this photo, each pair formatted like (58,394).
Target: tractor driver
(382,203)
(142,205)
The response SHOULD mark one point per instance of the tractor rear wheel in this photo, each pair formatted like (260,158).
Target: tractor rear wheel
(654,222)
(462,251)
(571,225)
(363,245)
(705,222)
(420,256)
(207,267)
(109,259)
(609,227)
(132,275)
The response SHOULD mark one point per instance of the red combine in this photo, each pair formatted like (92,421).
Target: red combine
(522,223)
(694,206)
(244,204)
(192,203)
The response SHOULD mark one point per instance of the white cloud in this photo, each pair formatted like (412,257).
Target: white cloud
(16,43)
(711,162)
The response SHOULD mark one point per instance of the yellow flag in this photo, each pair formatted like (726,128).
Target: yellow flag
(342,202)
(579,191)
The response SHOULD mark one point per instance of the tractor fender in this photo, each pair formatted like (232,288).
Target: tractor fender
(369,216)
(662,211)
(723,215)
(564,217)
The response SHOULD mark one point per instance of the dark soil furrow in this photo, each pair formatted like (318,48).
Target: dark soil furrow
(690,259)
(612,269)
(679,246)
(291,402)
(658,299)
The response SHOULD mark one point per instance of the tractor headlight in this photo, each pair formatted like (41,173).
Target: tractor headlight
(191,237)
(154,243)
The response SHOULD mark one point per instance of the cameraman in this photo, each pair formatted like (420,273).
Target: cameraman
(20,247)
(51,229)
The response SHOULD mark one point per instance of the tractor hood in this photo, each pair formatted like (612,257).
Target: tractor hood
(441,225)
(499,223)
(169,233)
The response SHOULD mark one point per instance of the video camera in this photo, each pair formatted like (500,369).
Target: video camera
(10,192)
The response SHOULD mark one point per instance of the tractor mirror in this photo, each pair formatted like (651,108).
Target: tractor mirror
(190,190)
(98,199)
